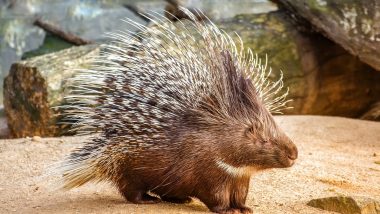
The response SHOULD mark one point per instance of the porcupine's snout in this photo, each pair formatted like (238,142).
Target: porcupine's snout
(290,152)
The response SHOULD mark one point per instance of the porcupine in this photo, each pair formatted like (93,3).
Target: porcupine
(178,111)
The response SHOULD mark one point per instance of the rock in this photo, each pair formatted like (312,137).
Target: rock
(36,138)
(51,44)
(87,19)
(347,205)
(222,9)
(322,77)
(17,35)
(156,6)
(5,4)
(35,86)
(214,9)
(355,25)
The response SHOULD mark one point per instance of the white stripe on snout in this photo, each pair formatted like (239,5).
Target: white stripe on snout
(236,171)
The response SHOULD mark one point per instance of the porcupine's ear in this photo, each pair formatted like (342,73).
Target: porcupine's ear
(229,67)
(230,81)
(243,95)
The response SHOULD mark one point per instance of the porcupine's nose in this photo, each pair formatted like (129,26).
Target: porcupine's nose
(292,153)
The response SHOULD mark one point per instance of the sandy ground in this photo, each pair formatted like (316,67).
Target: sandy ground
(336,156)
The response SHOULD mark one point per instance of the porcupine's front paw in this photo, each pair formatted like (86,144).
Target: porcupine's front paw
(141,198)
(245,210)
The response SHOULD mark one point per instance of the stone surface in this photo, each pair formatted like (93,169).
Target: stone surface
(223,9)
(88,19)
(347,205)
(214,9)
(37,85)
(355,25)
(51,44)
(17,36)
(322,77)
(36,138)
(335,158)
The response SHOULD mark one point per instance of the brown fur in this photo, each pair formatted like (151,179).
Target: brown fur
(191,171)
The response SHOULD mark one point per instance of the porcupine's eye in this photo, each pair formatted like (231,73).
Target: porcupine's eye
(251,135)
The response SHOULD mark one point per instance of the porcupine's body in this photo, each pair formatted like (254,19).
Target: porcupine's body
(177,120)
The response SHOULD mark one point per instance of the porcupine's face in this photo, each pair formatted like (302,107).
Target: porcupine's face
(260,144)
(252,138)
(266,145)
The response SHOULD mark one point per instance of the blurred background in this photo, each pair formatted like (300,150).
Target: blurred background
(329,51)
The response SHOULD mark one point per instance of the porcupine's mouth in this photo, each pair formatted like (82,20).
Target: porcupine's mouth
(289,160)
(289,153)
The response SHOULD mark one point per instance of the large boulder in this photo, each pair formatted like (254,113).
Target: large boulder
(355,25)
(35,86)
(89,20)
(347,204)
(86,19)
(17,36)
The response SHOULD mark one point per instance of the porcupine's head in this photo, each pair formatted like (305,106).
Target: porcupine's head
(239,119)
(236,110)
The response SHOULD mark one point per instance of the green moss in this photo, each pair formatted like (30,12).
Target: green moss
(51,44)
(318,5)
